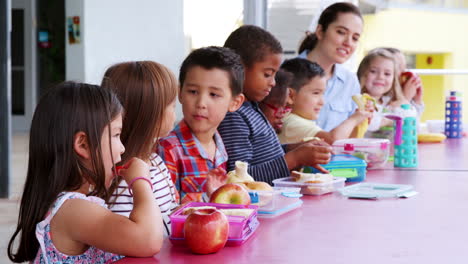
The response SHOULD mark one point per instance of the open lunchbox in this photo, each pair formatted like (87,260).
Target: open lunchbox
(241,228)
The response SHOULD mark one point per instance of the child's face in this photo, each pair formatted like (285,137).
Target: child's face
(116,147)
(309,100)
(275,113)
(379,77)
(206,97)
(342,37)
(169,118)
(260,77)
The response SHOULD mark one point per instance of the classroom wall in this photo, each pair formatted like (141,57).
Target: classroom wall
(113,31)
(435,85)
(424,32)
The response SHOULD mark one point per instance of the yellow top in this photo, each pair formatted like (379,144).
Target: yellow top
(295,128)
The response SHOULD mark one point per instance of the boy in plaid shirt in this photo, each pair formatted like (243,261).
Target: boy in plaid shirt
(210,86)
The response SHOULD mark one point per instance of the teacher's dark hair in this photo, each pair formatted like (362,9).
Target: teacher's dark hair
(328,16)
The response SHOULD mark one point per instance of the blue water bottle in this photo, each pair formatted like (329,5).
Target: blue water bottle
(453,116)
(406,152)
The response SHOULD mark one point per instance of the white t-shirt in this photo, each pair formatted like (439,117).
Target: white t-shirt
(296,128)
(163,190)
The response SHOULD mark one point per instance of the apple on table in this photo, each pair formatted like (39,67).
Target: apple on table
(206,231)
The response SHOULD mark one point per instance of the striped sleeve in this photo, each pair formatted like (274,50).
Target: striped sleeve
(270,170)
(250,141)
(121,202)
(236,133)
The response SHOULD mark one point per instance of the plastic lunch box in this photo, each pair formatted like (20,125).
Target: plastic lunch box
(344,165)
(277,202)
(375,151)
(311,188)
(240,228)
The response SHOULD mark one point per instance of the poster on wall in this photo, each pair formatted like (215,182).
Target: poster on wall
(73,28)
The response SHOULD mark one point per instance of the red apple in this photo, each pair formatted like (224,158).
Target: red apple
(206,231)
(231,193)
(405,76)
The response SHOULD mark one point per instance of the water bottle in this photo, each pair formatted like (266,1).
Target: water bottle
(406,138)
(453,116)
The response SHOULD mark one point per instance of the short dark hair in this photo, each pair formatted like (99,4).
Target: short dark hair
(216,57)
(277,95)
(302,70)
(253,44)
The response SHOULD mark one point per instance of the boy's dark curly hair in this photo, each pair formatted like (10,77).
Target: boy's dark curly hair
(253,44)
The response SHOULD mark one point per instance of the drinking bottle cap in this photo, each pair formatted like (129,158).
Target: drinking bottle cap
(406,106)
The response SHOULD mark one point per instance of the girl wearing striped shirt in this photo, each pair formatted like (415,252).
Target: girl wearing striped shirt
(147,91)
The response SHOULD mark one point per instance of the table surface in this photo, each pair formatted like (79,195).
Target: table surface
(430,227)
(452,154)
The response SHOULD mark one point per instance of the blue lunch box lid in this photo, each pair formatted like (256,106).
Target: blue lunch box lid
(345,161)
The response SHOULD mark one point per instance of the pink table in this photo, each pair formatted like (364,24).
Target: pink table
(452,154)
(431,227)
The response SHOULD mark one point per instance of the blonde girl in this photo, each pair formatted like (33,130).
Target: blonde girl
(74,146)
(147,91)
(378,75)
(412,88)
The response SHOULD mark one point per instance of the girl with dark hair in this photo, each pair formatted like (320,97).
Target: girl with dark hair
(74,146)
(334,41)
(148,91)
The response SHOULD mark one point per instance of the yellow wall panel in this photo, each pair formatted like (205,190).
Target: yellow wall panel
(435,86)
(438,34)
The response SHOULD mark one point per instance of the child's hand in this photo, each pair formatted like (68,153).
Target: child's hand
(361,115)
(215,179)
(311,153)
(419,93)
(134,168)
(370,106)
(411,87)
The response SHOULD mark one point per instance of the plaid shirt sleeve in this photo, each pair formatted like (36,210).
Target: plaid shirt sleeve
(166,154)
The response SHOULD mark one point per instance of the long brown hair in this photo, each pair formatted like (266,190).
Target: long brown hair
(395,92)
(145,89)
(328,16)
(53,165)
